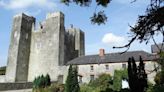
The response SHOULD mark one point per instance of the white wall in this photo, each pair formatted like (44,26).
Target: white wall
(85,70)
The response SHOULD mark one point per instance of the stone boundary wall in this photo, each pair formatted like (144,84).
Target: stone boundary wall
(15,86)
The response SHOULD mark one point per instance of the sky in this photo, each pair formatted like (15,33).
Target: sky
(120,13)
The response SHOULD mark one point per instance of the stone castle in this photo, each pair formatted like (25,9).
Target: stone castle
(42,51)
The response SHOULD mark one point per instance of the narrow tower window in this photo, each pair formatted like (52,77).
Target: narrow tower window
(92,68)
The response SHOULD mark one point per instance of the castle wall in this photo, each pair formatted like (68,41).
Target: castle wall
(2,78)
(45,51)
(47,48)
(74,44)
(19,49)
(80,42)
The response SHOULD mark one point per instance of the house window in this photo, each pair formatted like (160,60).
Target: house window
(92,68)
(123,66)
(92,77)
(107,67)
(80,79)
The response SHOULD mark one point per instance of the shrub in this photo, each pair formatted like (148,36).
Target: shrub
(119,75)
(103,82)
(41,82)
(56,88)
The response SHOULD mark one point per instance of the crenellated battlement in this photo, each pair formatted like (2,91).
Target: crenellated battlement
(43,50)
(54,14)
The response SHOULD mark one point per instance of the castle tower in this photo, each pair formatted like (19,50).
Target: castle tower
(79,40)
(19,49)
(47,47)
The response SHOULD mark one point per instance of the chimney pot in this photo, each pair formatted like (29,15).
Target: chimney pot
(101,52)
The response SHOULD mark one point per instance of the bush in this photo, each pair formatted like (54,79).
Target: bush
(86,88)
(119,75)
(56,88)
(41,82)
(158,88)
(102,83)
(53,88)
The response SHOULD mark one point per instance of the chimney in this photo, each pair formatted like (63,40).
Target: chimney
(101,52)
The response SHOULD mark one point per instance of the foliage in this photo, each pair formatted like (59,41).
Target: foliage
(119,75)
(150,87)
(56,88)
(41,82)
(72,84)
(103,82)
(124,90)
(2,70)
(148,25)
(53,88)
(98,17)
(158,88)
(137,76)
(159,78)
(87,88)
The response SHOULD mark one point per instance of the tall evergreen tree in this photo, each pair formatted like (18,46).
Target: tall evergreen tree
(72,81)
(75,80)
(142,76)
(137,76)
(69,80)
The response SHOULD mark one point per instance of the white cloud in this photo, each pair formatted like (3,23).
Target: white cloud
(113,39)
(33,13)
(23,4)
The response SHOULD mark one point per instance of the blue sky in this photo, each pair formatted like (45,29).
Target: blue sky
(114,33)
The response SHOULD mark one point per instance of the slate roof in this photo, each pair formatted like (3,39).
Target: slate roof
(112,58)
(154,48)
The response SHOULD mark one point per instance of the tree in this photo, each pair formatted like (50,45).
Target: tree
(47,80)
(98,17)
(72,81)
(41,81)
(147,26)
(103,82)
(142,76)
(137,76)
(75,80)
(119,75)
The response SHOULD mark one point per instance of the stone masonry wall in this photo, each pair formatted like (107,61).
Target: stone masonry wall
(42,51)
(19,49)
(47,48)
(85,70)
